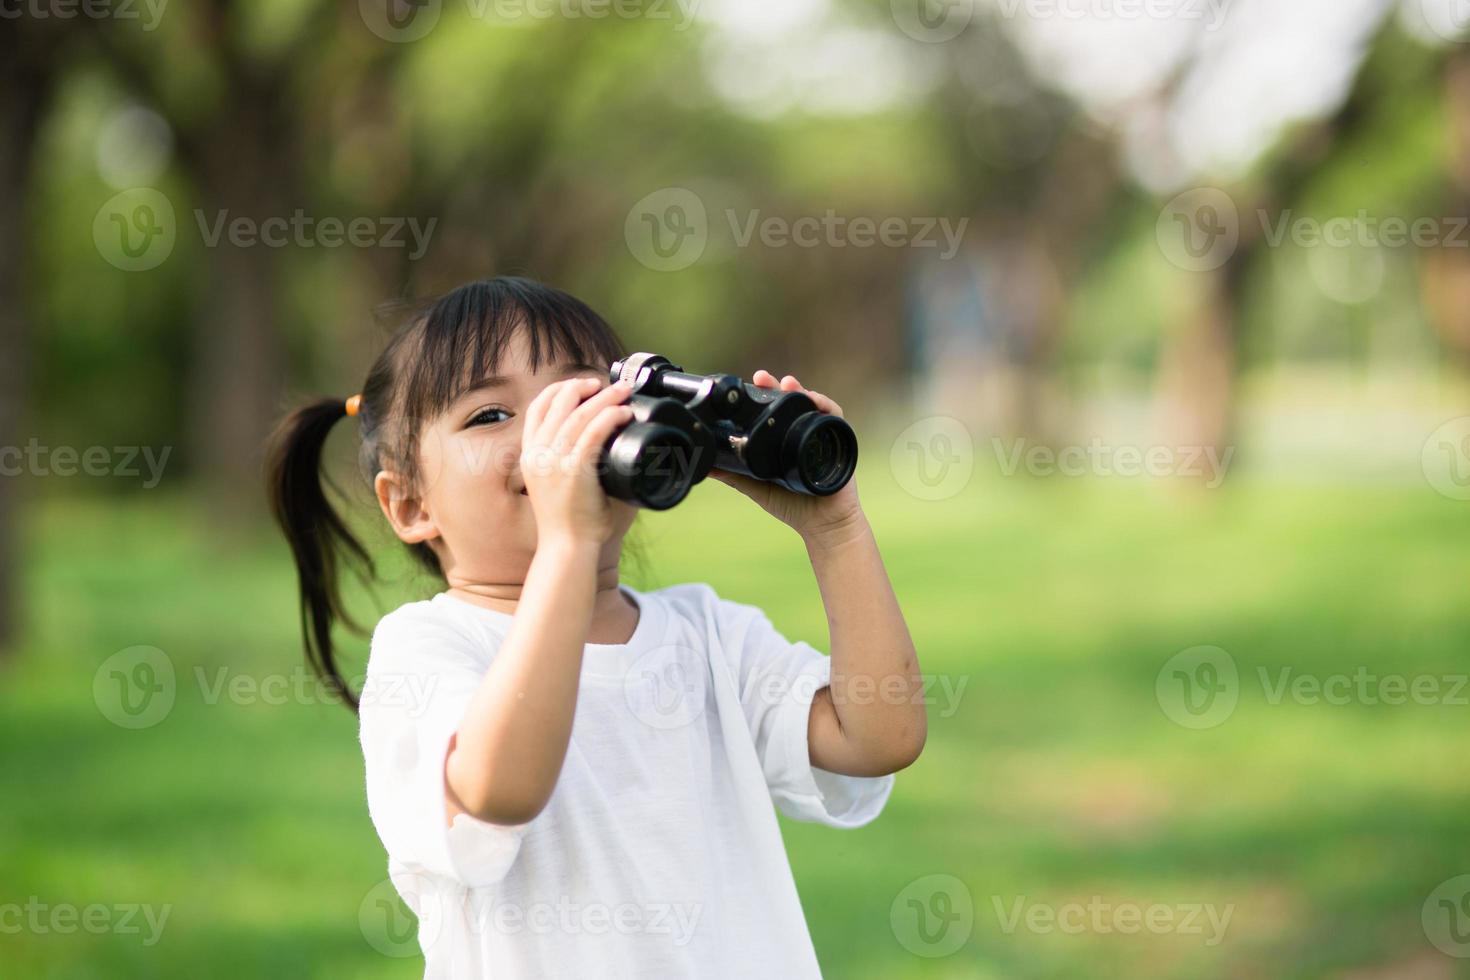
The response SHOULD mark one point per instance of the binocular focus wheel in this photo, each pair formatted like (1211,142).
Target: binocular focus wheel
(633,365)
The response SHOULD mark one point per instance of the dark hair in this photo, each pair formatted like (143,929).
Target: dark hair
(427,363)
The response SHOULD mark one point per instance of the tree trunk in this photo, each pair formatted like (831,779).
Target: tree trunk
(1446,275)
(246,167)
(1198,367)
(27,83)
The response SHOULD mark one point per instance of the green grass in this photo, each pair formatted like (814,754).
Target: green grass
(1056,777)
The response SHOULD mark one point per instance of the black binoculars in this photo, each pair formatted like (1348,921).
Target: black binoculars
(684,425)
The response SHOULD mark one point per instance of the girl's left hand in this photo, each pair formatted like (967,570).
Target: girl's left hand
(808,516)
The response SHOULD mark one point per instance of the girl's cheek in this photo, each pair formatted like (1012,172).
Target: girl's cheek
(489,460)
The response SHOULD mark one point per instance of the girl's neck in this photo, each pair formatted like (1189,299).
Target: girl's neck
(614,615)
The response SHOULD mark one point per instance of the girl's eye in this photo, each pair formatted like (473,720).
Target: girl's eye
(487,416)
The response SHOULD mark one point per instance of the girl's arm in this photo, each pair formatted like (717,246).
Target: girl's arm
(871,719)
(504,760)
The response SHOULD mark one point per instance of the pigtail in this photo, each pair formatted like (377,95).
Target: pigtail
(318,536)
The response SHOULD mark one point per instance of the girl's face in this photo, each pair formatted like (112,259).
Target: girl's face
(469,500)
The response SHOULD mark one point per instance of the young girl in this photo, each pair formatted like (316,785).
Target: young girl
(573,778)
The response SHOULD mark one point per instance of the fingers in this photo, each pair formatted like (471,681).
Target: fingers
(765,379)
(578,420)
(536,411)
(739,481)
(556,401)
(594,435)
(824,403)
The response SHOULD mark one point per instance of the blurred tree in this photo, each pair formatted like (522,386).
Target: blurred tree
(28,75)
(1447,267)
(240,104)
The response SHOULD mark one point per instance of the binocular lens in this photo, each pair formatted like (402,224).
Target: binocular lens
(825,452)
(687,424)
(659,482)
(649,464)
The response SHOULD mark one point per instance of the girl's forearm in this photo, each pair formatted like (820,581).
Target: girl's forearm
(872,719)
(504,761)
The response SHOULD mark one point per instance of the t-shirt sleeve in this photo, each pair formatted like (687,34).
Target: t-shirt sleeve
(421,676)
(778,679)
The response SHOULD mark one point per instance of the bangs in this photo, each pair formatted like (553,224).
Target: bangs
(465,333)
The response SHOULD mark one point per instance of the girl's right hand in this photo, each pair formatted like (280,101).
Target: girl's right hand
(561,447)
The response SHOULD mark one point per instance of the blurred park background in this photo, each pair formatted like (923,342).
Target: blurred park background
(1153,317)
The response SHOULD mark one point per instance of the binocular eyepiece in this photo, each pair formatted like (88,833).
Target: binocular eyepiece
(684,425)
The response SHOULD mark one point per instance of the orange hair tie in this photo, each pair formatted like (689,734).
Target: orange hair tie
(353,404)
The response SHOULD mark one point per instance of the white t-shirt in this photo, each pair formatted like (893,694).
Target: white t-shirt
(658,854)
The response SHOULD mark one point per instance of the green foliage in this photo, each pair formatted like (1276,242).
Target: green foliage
(1054,777)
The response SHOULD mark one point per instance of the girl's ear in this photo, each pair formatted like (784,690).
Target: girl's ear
(411,522)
